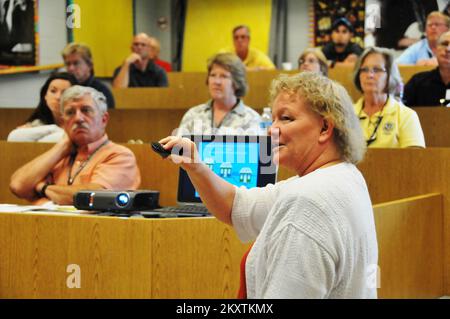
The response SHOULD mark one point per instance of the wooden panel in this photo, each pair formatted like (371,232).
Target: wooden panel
(410,241)
(113,255)
(118,258)
(435,124)
(195,259)
(144,124)
(10,118)
(159,98)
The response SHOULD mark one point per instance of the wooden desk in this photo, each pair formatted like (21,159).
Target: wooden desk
(117,258)
(192,257)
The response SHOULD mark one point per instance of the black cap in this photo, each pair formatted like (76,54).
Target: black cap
(342,21)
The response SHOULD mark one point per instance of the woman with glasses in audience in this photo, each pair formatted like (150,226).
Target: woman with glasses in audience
(313,60)
(225,112)
(44,125)
(386,122)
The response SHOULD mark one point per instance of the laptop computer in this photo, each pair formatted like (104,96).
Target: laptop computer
(241,160)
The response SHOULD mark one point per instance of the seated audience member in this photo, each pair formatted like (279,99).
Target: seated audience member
(252,58)
(83,159)
(341,50)
(227,85)
(78,60)
(313,60)
(385,121)
(430,88)
(424,51)
(138,69)
(155,47)
(313,237)
(44,124)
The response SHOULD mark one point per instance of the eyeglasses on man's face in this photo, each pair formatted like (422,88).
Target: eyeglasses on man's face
(374,70)
(435,24)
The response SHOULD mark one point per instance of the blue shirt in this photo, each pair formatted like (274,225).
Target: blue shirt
(418,51)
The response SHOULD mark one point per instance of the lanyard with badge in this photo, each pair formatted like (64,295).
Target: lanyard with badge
(373,136)
(70,179)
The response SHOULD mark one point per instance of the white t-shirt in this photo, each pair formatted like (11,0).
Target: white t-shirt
(315,236)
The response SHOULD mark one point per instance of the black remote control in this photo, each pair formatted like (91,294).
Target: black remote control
(158,148)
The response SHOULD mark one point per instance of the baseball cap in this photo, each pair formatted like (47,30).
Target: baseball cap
(342,21)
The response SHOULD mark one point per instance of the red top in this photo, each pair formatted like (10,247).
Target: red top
(242,293)
(164,64)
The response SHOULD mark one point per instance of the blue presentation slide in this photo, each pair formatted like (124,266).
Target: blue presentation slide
(236,163)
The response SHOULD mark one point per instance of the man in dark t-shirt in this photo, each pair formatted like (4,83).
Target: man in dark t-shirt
(432,88)
(341,49)
(138,69)
(78,61)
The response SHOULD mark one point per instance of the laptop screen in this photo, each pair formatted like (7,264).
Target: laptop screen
(240,160)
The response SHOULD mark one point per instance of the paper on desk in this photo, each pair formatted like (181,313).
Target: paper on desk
(46,207)
(12,208)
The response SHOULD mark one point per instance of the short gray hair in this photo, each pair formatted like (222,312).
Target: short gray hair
(331,101)
(77,91)
(394,80)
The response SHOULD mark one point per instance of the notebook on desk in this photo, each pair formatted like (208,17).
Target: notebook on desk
(241,160)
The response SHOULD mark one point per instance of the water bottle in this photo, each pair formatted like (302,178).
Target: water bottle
(266,120)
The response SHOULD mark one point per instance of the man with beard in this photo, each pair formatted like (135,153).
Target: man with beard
(341,50)
(431,88)
(83,159)
(139,68)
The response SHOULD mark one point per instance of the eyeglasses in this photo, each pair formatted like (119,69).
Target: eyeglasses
(429,25)
(309,61)
(219,76)
(444,44)
(374,70)
(237,37)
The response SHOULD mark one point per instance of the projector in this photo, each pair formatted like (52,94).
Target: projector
(116,201)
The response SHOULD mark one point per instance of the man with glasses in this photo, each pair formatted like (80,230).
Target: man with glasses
(432,88)
(424,51)
(252,58)
(83,159)
(139,69)
(78,61)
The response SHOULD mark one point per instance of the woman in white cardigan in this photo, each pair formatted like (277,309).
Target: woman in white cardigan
(44,124)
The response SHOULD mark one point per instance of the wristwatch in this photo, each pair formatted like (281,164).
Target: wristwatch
(43,189)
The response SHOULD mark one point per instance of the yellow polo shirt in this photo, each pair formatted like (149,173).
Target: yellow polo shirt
(255,58)
(399,125)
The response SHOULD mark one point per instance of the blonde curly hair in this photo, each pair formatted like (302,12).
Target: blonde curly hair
(331,101)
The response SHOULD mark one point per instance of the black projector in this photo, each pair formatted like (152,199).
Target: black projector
(116,201)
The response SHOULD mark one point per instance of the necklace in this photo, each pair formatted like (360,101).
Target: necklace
(70,179)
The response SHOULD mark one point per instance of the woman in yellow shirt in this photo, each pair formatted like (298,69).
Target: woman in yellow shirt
(386,122)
